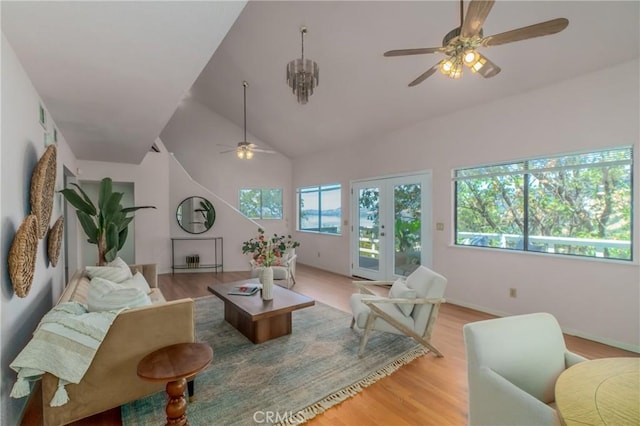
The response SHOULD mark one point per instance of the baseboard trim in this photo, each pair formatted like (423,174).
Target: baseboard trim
(569,331)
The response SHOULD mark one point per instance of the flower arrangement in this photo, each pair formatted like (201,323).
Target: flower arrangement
(267,251)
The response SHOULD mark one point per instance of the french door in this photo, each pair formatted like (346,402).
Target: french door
(391,226)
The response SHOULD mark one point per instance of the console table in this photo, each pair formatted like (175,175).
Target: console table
(216,246)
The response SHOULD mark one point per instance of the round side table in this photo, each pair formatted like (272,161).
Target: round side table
(174,364)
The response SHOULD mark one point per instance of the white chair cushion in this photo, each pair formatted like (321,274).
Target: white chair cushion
(105,295)
(399,290)
(361,312)
(427,284)
(280,273)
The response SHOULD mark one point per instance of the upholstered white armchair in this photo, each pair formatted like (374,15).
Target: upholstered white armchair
(512,366)
(285,273)
(411,307)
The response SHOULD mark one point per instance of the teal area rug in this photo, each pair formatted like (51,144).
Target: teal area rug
(287,380)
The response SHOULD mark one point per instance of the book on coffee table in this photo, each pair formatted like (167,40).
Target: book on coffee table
(245,289)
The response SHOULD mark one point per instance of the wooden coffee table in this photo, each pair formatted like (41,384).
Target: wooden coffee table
(257,319)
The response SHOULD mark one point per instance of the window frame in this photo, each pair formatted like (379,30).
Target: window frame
(527,173)
(319,189)
(260,208)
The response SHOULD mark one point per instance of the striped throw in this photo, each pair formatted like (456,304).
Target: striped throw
(64,344)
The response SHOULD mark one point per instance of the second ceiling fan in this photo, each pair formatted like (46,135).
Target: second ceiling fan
(245,150)
(461,44)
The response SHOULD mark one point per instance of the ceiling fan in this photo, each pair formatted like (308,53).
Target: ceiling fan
(245,150)
(460,45)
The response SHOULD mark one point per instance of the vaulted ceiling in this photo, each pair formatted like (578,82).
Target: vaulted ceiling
(112,73)
(131,63)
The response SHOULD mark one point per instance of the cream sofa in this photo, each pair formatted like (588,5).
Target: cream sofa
(111,380)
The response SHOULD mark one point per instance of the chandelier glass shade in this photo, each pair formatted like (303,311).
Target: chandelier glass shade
(303,75)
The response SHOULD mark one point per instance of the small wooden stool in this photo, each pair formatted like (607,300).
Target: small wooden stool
(174,364)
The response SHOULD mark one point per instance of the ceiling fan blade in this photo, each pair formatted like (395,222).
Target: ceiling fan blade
(535,30)
(228,150)
(477,12)
(264,151)
(406,52)
(489,69)
(428,73)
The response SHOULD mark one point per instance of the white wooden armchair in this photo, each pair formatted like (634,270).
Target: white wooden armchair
(512,365)
(285,272)
(411,307)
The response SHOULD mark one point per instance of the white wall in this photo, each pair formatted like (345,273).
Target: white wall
(596,299)
(193,134)
(230,224)
(22,147)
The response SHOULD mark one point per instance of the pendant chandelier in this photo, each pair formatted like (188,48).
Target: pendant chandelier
(302,75)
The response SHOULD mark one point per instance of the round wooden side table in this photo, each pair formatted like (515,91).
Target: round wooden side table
(602,391)
(174,364)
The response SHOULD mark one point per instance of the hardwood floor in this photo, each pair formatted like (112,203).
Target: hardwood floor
(428,391)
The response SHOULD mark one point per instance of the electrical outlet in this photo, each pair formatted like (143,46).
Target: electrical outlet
(439,226)
(513,292)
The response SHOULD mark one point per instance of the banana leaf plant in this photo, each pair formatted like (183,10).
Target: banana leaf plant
(107,226)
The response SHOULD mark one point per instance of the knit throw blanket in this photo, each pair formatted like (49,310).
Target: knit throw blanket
(64,345)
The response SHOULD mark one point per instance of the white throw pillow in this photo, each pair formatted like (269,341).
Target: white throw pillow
(119,263)
(137,281)
(105,295)
(116,271)
(399,290)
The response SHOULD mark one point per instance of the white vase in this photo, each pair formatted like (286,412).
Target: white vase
(267,283)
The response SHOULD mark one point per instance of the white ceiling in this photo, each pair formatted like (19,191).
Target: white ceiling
(128,64)
(112,73)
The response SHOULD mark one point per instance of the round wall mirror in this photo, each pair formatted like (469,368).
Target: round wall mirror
(196,215)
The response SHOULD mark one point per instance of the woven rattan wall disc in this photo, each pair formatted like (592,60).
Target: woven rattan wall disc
(54,241)
(43,182)
(22,256)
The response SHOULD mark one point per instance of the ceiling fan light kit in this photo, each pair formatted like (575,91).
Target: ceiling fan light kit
(244,152)
(303,75)
(461,44)
(461,52)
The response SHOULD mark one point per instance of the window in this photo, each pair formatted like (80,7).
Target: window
(261,203)
(319,209)
(577,204)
